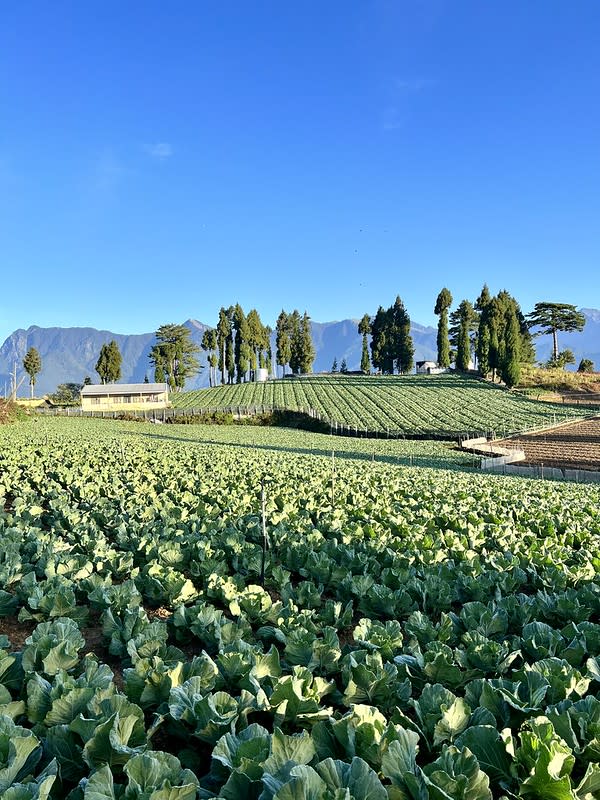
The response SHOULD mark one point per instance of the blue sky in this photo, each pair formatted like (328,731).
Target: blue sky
(158,160)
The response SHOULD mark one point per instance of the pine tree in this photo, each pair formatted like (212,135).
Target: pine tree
(554,317)
(334,366)
(241,344)
(364,328)
(442,304)
(344,367)
(87,381)
(32,364)
(174,356)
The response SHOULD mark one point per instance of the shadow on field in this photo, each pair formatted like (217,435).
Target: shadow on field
(415,460)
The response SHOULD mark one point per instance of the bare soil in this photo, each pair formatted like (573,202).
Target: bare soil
(572,446)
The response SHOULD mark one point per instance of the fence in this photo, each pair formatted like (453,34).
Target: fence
(332,426)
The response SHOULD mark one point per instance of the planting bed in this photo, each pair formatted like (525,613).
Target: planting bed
(572,446)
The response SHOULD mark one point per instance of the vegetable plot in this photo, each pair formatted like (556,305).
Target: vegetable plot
(420,633)
(434,405)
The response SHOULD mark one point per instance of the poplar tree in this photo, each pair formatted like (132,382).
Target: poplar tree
(32,364)
(442,304)
(364,328)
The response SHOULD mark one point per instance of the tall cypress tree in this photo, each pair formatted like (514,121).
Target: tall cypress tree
(378,331)
(403,343)
(307,346)
(463,348)
(364,328)
(282,341)
(295,342)
(109,362)
(223,333)
(241,346)
(510,367)
(442,304)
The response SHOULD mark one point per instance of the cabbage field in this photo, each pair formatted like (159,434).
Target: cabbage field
(426,405)
(237,613)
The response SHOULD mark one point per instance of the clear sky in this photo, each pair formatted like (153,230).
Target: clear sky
(161,159)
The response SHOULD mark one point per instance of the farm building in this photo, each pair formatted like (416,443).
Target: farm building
(428,368)
(124,396)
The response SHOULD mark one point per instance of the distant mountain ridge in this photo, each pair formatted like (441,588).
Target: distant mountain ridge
(69,354)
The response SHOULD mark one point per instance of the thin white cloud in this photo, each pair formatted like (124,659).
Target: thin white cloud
(160,150)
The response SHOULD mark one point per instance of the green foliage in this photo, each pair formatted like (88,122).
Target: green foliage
(430,633)
(554,317)
(109,362)
(400,405)
(66,394)
(209,345)
(442,304)
(560,362)
(32,364)
(585,365)
(510,367)
(344,367)
(391,343)
(174,356)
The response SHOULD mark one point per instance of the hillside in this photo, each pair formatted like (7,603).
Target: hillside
(437,405)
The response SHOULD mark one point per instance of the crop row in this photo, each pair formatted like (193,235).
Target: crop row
(423,405)
(417,633)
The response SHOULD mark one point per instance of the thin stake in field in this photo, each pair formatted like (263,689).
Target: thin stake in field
(265,535)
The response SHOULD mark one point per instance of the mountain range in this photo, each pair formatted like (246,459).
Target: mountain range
(69,354)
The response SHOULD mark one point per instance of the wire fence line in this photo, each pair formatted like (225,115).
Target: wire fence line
(334,427)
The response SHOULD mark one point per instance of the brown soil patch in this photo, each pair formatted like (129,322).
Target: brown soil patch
(16,631)
(572,446)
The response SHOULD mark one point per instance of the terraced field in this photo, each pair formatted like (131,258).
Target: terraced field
(436,405)
(362,631)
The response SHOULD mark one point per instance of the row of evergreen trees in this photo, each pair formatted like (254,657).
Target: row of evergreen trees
(241,344)
(491,334)
(392,348)
(494,336)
